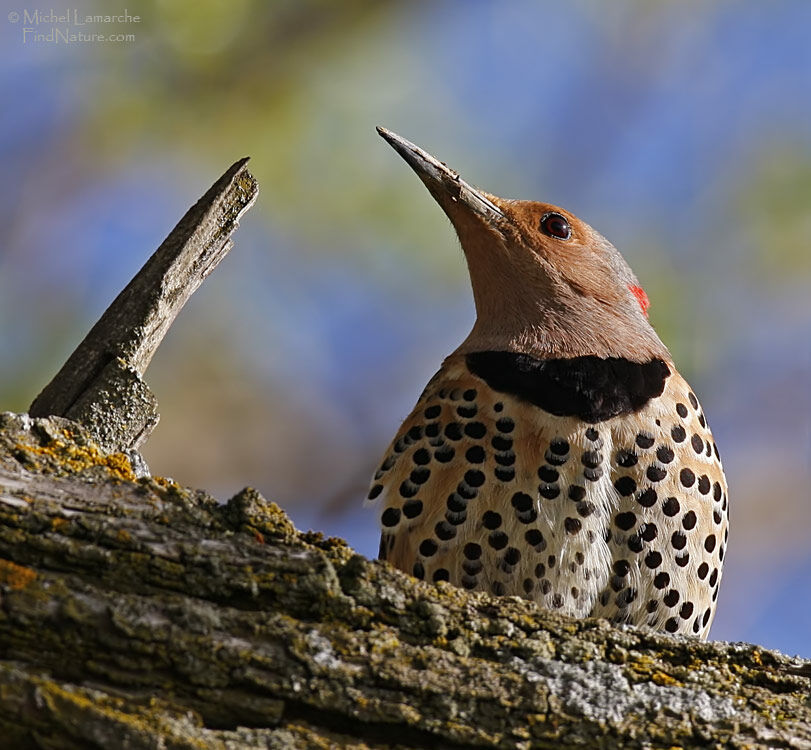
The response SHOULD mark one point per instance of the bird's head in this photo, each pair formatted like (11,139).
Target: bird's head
(545,283)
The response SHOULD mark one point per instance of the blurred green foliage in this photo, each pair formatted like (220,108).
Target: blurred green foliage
(774,209)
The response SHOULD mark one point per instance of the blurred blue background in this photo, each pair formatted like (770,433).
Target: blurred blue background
(681,131)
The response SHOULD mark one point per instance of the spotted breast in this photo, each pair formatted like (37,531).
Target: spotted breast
(622,516)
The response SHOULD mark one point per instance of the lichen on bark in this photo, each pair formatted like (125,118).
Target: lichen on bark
(141,613)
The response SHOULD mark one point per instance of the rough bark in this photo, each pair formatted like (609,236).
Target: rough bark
(100,386)
(137,613)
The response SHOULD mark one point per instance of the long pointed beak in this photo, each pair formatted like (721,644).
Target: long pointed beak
(444,184)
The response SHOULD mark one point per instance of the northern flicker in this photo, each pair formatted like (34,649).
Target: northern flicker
(557,454)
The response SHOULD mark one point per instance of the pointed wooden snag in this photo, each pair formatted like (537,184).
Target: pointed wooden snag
(101,386)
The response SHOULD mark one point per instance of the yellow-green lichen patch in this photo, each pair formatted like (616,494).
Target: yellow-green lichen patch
(115,717)
(166,483)
(249,511)
(60,524)
(644,668)
(123,536)
(66,457)
(15,576)
(662,678)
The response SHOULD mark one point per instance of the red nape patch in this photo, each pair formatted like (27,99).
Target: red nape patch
(641,297)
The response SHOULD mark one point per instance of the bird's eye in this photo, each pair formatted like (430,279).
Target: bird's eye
(556,225)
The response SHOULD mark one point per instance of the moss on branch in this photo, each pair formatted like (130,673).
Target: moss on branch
(139,610)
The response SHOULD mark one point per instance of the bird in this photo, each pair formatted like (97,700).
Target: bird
(557,454)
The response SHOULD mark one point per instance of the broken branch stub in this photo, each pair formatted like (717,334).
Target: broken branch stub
(100,385)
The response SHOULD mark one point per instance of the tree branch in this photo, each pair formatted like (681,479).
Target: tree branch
(144,610)
(100,385)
